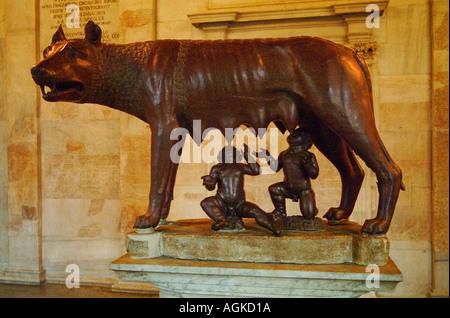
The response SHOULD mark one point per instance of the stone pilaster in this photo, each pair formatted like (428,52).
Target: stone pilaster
(3,147)
(440,145)
(23,145)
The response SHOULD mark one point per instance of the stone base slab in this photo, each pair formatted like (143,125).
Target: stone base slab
(135,288)
(194,240)
(193,278)
(23,276)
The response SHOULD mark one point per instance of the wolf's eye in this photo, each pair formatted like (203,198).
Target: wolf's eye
(70,51)
(46,51)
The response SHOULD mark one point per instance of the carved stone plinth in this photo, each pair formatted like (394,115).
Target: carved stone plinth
(299,223)
(194,240)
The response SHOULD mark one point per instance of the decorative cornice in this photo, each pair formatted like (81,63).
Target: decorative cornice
(201,20)
(352,14)
(359,8)
(367,50)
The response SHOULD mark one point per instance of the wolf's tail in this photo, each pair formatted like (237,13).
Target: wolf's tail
(366,72)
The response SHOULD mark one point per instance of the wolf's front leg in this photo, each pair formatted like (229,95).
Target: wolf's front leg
(161,180)
(169,194)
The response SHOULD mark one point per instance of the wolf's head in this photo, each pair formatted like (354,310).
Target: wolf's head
(67,72)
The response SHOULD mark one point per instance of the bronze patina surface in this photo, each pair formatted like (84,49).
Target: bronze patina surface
(300,81)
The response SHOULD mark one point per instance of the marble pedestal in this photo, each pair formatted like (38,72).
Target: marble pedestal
(196,279)
(188,259)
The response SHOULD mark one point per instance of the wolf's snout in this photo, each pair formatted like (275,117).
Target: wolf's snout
(37,71)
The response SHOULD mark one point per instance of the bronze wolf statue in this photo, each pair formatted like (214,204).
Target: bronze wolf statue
(300,81)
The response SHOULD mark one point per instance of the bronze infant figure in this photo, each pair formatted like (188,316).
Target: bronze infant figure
(228,206)
(299,166)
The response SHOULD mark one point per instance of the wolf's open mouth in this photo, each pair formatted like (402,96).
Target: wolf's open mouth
(59,88)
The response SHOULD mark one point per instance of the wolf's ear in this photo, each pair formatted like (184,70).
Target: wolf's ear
(93,33)
(59,35)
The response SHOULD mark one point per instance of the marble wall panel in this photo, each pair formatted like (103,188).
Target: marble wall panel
(187,202)
(81,176)
(175,30)
(80,231)
(22,11)
(137,20)
(71,111)
(440,135)
(81,188)
(405,116)
(91,255)
(413,222)
(405,127)
(176,10)
(72,218)
(3,194)
(441,220)
(412,258)
(412,152)
(407,88)
(80,136)
(407,46)
(3,146)
(2,80)
(135,178)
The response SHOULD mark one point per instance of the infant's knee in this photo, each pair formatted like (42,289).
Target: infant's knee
(276,188)
(308,204)
(207,203)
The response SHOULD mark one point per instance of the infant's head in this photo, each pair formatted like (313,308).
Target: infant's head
(229,154)
(300,137)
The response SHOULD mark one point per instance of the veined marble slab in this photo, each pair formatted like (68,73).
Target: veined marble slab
(194,278)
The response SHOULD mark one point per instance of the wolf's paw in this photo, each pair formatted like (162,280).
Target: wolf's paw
(145,221)
(335,214)
(375,227)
